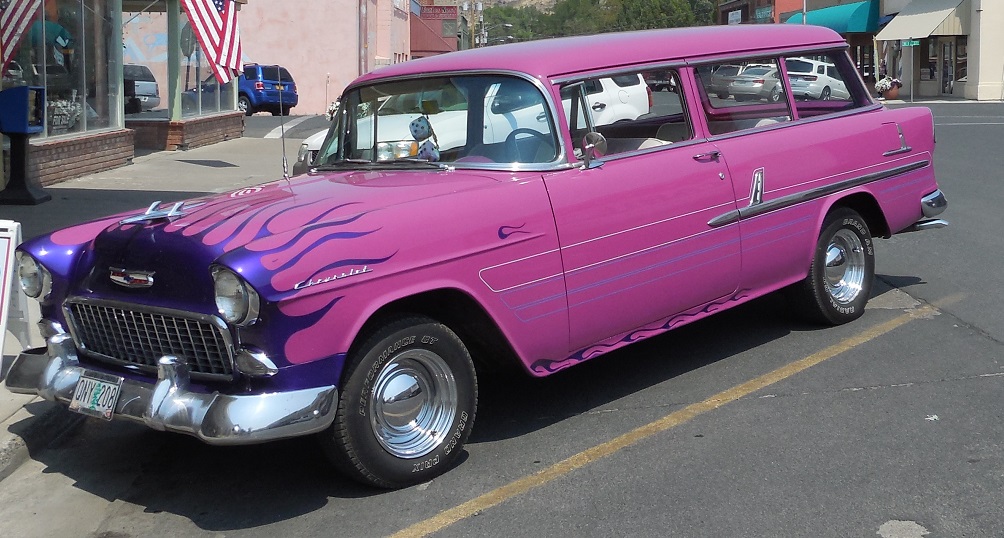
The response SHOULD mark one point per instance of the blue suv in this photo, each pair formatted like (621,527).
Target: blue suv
(260,87)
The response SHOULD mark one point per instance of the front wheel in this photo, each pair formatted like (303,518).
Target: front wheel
(843,268)
(407,405)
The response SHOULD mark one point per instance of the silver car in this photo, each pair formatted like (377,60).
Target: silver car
(760,82)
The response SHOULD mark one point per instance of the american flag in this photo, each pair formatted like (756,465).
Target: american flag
(15,16)
(215,25)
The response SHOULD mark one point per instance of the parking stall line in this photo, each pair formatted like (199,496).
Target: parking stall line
(286,126)
(497,496)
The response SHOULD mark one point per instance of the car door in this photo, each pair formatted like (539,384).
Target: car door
(635,241)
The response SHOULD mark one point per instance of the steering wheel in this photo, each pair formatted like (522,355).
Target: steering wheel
(512,146)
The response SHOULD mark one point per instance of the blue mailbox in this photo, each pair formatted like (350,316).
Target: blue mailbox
(22,114)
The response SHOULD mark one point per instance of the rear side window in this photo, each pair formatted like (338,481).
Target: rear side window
(273,72)
(137,72)
(825,83)
(743,94)
(250,73)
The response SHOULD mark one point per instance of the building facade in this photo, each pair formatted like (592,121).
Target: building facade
(127,74)
(935,47)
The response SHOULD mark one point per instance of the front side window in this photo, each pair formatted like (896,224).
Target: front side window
(633,111)
(462,120)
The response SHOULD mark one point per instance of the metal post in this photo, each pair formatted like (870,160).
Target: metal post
(803,11)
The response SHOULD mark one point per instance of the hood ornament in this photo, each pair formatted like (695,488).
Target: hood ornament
(131,279)
(152,213)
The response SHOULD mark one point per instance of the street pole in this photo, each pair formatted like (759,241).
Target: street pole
(803,11)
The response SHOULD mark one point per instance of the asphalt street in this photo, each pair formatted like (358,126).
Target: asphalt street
(749,423)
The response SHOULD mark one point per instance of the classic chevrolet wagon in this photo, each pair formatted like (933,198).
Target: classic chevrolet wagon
(467,209)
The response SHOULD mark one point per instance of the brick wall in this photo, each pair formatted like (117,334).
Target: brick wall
(55,160)
(188,133)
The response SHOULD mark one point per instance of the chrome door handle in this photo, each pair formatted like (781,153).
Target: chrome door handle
(599,106)
(709,156)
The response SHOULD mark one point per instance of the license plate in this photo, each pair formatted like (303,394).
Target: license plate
(96,394)
(278,86)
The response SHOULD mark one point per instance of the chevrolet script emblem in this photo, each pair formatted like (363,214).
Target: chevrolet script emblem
(131,279)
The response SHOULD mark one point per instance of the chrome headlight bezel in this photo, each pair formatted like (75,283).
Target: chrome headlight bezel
(35,280)
(236,301)
(301,154)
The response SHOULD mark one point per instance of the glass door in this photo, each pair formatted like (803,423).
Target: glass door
(947,65)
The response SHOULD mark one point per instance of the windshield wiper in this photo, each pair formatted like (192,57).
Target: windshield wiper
(343,162)
(416,160)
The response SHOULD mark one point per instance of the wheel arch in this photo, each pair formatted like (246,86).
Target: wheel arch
(489,348)
(864,204)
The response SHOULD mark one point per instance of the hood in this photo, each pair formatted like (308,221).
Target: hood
(267,233)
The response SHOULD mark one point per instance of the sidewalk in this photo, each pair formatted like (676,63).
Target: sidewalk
(28,423)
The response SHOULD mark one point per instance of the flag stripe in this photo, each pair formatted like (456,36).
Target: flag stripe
(14,19)
(214,23)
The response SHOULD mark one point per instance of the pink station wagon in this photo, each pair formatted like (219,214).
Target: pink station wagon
(467,209)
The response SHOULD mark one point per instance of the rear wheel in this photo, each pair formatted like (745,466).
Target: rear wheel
(406,407)
(244,105)
(843,268)
(775,95)
(825,94)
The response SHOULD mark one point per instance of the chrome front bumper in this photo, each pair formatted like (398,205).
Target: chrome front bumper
(931,205)
(168,404)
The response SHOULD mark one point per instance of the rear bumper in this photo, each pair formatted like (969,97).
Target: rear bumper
(931,205)
(168,404)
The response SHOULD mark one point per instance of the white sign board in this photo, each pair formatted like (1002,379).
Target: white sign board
(13,303)
(736,17)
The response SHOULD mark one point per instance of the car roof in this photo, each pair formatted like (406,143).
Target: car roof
(553,58)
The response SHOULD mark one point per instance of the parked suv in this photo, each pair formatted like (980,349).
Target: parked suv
(266,88)
(813,79)
(140,85)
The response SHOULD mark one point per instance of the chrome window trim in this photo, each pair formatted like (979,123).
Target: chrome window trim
(737,215)
(796,121)
(223,331)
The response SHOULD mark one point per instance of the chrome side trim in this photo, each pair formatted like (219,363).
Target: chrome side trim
(933,204)
(169,404)
(811,194)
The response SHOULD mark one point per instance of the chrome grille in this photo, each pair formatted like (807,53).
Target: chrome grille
(123,334)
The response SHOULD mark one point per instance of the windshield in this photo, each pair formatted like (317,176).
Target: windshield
(458,120)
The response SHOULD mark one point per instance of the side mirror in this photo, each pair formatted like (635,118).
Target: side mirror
(594,145)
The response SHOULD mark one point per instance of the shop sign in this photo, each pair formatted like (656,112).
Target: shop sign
(438,12)
(735,17)
(763,14)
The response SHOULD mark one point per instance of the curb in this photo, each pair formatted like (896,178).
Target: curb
(34,426)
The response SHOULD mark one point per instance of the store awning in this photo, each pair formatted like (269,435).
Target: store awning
(859,17)
(922,18)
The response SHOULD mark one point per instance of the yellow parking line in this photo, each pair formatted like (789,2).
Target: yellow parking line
(448,517)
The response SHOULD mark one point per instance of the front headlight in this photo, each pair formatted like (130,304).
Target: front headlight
(301,155)
(35,280)
(236,301)
(387,151)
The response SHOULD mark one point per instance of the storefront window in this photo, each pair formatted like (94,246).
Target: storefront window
(144,69)
(201,89)
(64,48)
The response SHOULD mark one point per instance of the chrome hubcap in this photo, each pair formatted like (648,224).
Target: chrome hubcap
(845,266)
(414,402)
